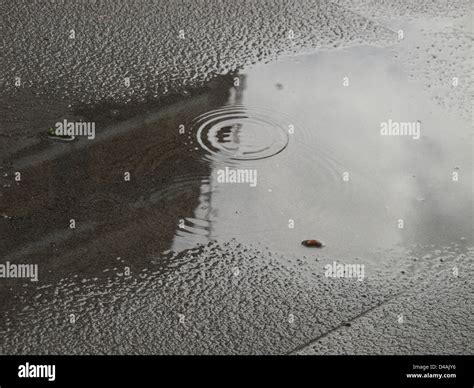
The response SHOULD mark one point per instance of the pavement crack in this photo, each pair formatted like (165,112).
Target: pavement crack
(312,341)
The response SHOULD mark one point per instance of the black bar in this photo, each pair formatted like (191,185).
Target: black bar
(292,371)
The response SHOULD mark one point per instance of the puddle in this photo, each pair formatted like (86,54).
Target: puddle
(321,169)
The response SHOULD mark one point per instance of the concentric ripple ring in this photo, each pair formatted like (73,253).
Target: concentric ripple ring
(236,132)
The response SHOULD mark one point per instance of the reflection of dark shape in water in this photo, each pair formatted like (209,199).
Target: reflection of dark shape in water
(114,217)
(229,134)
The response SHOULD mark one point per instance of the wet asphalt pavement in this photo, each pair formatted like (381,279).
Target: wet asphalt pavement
(173,262)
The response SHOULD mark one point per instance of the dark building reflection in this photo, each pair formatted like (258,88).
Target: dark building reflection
(134,220)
